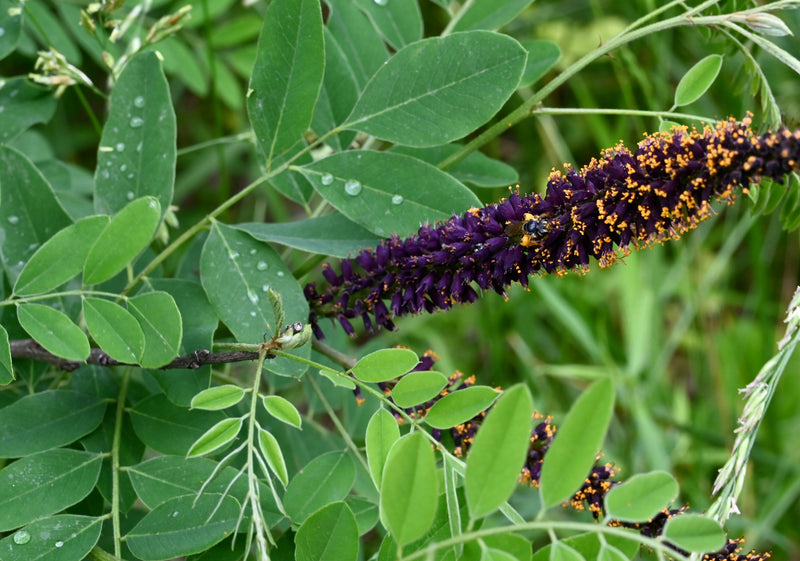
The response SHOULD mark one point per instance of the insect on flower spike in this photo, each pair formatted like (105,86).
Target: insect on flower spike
(621,201)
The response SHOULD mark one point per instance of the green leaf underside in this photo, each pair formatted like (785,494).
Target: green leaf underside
(47,419)
(271,450)
(123,238)
(572,454)
(489,14)
(382,433)
(54,331)
(219,397)
(385,364)
(60,258)
(160,320)
(381,190)
(45,483)
(326,478)
(287,75)
(460,406)
(137,148)
(333,235)
(181,526)
(115,329)
(400,23)
(458,83)
(641,497)
(477,168)
(237,272)
(409,489)
(331,533)
(697,80)
(221,434)
(499,451)
(418,387)
(694,533)
(282,409)
(55,538)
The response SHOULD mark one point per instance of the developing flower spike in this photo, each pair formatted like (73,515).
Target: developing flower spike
(622,200)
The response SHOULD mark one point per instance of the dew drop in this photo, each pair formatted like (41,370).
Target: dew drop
(397,200)
(130,195)
(59,544)
(261,266)
(136,122)
(123,167)
(280,273)
(252,314)
(327,178)
(381,2)
(105,174)
(120,146)
(22,537)
(265,287)
(252,296)
(175,514)
(130,175)
(13,219)
(253,251)
(138,101)
(233,254)
(2,108)
(352,187)
(2,31)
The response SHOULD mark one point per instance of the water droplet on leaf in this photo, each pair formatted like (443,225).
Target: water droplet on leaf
(352,187)
(397,200)
(262,266)
(381,2)
(138,101)
(22,537)
(120,146)
(13,219)
(136,122)
(130,195)
(252,296)
(326,179)
(59,544)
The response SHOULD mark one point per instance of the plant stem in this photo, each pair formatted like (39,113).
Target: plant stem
(116,442)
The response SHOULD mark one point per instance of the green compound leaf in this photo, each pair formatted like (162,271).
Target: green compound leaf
(332,235)
(409,489)
(237,273)
(381,190)
(46,420)
(219,397)
(641,497)
(331,533)
(183,526)
(271,450)
(160,319)
(24,105)
(63,537)
(694,533)
(439,89)
(123,238)
(460,406)
(697,80)
(418,387)
(54,331)
(45,483)
(283,410)
(137,150)
(115,329)
(221,434)
(60,258)
(400,23)
(385,364)
(489,14)
(167,428)
(6,369)
(326,479)
(579,438)
(499,451)
(29,211)
(382,433)
(287,75)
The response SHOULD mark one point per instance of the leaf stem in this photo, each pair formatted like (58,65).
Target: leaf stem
(115,446)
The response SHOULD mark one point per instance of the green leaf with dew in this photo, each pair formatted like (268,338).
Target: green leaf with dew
(63,537)
(325,479)
(160,319)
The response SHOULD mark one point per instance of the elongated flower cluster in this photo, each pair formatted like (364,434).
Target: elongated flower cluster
(598,482)
(622,200)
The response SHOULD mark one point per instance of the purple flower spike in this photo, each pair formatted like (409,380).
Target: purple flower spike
(622,201)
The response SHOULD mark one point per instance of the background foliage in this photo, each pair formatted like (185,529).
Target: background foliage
(160,203)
